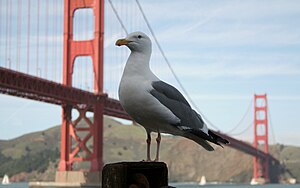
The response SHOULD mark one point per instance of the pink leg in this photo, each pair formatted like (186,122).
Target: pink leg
(158,139)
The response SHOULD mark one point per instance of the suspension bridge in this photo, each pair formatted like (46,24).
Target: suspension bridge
(53,52)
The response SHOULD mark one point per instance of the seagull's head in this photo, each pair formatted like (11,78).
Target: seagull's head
(136,42)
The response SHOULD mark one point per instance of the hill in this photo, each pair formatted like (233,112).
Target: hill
(35,156)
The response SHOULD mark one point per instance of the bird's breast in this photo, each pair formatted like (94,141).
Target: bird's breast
(133,94)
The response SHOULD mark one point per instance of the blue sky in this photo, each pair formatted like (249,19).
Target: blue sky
(222,51)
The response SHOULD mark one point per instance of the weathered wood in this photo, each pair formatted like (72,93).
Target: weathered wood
(135,175)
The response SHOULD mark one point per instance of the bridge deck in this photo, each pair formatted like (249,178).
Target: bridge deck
(30,87)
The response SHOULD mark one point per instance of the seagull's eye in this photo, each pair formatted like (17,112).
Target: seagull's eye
(140,36)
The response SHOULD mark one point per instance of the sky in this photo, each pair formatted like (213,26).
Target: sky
(223,52)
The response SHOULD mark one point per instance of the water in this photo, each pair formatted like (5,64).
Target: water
(188,185)
(15,185)
(193,185)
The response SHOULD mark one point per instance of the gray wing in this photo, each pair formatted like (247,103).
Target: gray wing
(169,91)
(191,122)
(171,98)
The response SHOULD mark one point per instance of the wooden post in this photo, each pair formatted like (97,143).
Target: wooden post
(135,174)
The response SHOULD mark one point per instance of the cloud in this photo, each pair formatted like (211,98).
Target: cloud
(228,24)
(243,70)
(221,97)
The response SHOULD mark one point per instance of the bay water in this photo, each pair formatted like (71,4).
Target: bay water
(189,185)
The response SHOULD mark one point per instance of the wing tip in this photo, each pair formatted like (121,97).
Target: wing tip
(218,138)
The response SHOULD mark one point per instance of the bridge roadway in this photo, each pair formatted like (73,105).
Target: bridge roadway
(31,87)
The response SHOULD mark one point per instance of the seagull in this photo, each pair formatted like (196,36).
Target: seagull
(155,104)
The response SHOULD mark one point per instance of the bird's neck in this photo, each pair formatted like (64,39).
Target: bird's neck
(138,63)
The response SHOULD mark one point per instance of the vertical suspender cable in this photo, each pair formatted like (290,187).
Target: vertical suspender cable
(6,34)
(118,17)
(134,20)
(122,50)
(56,61)
(86,60)
(85,83)
(52,41)
(76,22)
(55,40)
(53,56)
(127,13)
(9,32)
(111,56)
(28,36)
(76,37)
(17,41)
(1,30)
(18,33)
(81,37)
(37,37)
(47,37)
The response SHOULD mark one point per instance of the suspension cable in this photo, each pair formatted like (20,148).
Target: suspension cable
(271,125)
(163,54)
(243,131)
(169,65)
(118,17)
(273,133)
(241,120)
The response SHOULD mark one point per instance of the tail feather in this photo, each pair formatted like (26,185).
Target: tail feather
(218,138)
(201,138)
(201,135)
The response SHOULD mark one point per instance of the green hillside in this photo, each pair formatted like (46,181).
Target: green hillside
(35,156)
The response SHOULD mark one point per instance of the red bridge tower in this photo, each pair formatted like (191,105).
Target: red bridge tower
(261,165)
(74,137)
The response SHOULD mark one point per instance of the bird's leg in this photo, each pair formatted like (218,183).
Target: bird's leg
(148,146)
(158,139)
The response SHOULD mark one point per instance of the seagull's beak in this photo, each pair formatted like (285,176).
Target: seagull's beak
(121,42)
